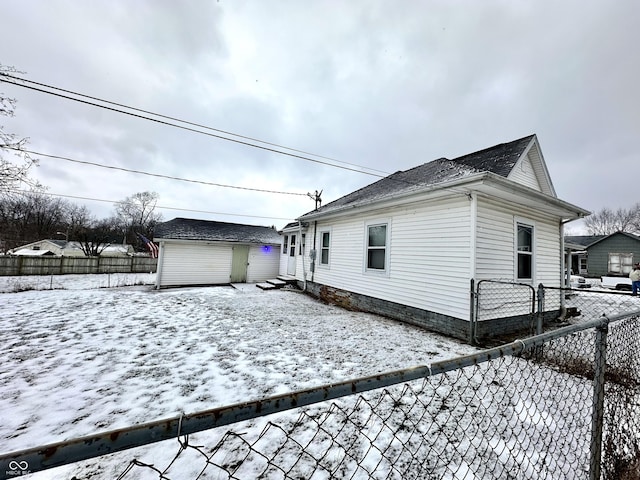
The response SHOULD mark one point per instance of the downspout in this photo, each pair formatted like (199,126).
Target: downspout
(565,272)
(315,253)
(303,247)
(473,225)
(159,265)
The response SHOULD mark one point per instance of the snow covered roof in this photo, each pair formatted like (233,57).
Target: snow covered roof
(191,229)
(30,252)
(499,159)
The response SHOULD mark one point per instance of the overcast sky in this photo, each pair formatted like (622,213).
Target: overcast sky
(382,85)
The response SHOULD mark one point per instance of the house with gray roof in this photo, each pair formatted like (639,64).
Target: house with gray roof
(604,255)
(409,245)
(202,252)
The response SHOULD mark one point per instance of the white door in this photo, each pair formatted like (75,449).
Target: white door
(291,264)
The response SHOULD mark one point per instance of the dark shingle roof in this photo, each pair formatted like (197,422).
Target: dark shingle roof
(583,240)
(499,159)
(190,229)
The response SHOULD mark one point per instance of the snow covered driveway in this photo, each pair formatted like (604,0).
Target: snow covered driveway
(78,361)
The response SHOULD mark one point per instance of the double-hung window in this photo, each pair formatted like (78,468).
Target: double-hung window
(377,248)
(525,265)
(325,242)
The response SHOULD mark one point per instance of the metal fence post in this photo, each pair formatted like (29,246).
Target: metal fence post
(540,315)
(597,413)
(472,310)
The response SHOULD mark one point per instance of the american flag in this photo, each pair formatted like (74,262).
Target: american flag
(153,248)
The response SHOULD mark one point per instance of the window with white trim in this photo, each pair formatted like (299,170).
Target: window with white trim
(377,247)
(524,234)
(325,243)
(285,245)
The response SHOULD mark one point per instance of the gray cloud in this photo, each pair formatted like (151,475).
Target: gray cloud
(385,85)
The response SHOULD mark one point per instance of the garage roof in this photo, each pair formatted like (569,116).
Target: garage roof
(207,230)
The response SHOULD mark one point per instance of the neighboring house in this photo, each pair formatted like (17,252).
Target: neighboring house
(602,255)
(201,252)
(62,248)
(409,245)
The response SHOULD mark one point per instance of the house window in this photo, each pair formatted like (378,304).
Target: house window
(525,251)
(324,247)
(377,246)
(292,252)
(303,244)
(285,247)
(620,263)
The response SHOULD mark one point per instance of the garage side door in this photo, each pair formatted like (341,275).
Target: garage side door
(185,264)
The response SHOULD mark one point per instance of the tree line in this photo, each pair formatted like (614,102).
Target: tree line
(31,216)
(607,221)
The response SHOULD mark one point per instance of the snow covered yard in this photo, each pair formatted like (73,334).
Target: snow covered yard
(84,358)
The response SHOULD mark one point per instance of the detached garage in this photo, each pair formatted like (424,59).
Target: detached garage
(202,252)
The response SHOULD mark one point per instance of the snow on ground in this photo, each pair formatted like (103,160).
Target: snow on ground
(82,358)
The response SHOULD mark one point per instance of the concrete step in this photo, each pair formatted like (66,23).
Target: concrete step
(289,279)
(277,283)
(266,286)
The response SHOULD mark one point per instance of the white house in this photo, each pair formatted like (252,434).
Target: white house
(408,245)
(202,252)
(63,248)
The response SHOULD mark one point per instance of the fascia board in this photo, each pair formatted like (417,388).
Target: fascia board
(185,241)
(485,182)
(495,184)
(459,186)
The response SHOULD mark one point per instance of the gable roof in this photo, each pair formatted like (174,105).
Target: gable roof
(191,229)
(498,160)
(589,240)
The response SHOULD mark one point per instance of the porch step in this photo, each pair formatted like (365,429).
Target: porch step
(281,281)
(289,279)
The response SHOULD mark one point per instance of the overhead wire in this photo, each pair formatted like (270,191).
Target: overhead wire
(4,77)
(187,122)
(26,192)
(158,175)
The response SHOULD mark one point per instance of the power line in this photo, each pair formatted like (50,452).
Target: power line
(4,76)
(189,123)
(140,172)
(23,192)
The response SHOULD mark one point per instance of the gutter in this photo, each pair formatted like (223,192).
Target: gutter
(449,188)
(304,271)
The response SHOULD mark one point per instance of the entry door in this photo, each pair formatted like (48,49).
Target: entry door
(291,264)
(239,262)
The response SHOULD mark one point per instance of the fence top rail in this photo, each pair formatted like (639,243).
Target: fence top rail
(83,448)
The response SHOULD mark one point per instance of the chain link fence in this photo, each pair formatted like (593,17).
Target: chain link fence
(564,404)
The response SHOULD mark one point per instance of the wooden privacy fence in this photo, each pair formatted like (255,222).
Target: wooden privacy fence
(67,265)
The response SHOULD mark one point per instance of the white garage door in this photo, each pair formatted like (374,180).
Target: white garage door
(199,264)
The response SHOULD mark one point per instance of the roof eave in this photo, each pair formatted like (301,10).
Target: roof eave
(486,182)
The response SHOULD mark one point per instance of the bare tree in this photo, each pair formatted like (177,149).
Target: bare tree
(15,162)
(136,214)
(607,221)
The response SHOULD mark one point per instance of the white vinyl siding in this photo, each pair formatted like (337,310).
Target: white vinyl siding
(263,262)
(195,264)
(524,174)
(209,263)
(496,243)
(429,254)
